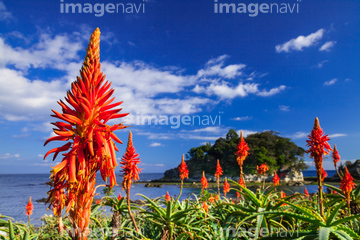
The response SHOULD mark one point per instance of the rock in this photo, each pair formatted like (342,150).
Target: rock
(252,178)
(295,184)
(293,176)
(354,169)
(158,185)
(171,174)
(42,200)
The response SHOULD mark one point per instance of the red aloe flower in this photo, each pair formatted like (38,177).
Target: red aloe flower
(219,170)
(262,169)
(119,197)
(282,195)
(129,161)
(130,172)
(211,198)
(167,197)
(335,157)
(204,181)
(226,187)
(276,180)
(318,148)
(306,192)
(97,201)
(184,172)
(334,192)
(242,150)
(216,197)
(29,208)
(318,145)
(205,206)
(323,174)
(347,184)
(242,183)
(90,145)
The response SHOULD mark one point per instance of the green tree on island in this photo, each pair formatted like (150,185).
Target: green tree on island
(268,147)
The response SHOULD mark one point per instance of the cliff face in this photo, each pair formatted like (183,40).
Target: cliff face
(354,169)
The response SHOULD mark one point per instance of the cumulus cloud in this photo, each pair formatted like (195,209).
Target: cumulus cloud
(298,135)
(140,85)
(284,108)
(215,67)
(327,46)
(331,82)
(297,44)
(4,14)
(321,64)
(155,144)
(8,156)
(337,135)
(242,118)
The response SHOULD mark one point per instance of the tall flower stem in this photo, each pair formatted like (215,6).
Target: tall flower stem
(181,187)
(29,223)
(320,190)
(318,148)
(184,173)
(242,174)
(129,209)
(264,182)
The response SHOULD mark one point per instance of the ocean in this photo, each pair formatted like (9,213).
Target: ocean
(15,190)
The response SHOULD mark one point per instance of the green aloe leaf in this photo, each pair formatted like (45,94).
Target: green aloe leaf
(324,233)
(334,213)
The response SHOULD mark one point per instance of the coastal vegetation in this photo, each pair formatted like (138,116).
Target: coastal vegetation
(280,154)
(264,213)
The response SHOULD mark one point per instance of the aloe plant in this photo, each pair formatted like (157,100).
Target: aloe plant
(329,226)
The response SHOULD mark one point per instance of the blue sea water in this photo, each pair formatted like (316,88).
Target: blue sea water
(15,190)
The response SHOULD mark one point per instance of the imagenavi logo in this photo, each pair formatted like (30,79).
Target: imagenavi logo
(253,9)
(99,9)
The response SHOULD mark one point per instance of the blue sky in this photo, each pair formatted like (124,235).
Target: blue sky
(274,71)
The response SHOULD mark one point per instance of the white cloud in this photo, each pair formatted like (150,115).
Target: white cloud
(297,44)
(138,84)
(337,135)
(22,99)
(21,135)
(298,135)
(331,82)
(327,46)
(213,129)
(272,91)
(152,164)
(49,52)
(155,144)
(8,156)
(215,67)
(45,164)
(284,108)
(225,91)
(4,15)
(321,64)
(242,118)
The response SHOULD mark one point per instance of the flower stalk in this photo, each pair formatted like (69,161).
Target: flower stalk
(184,173)
(241,153)
(318,148)
(130,173)
(218,172)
